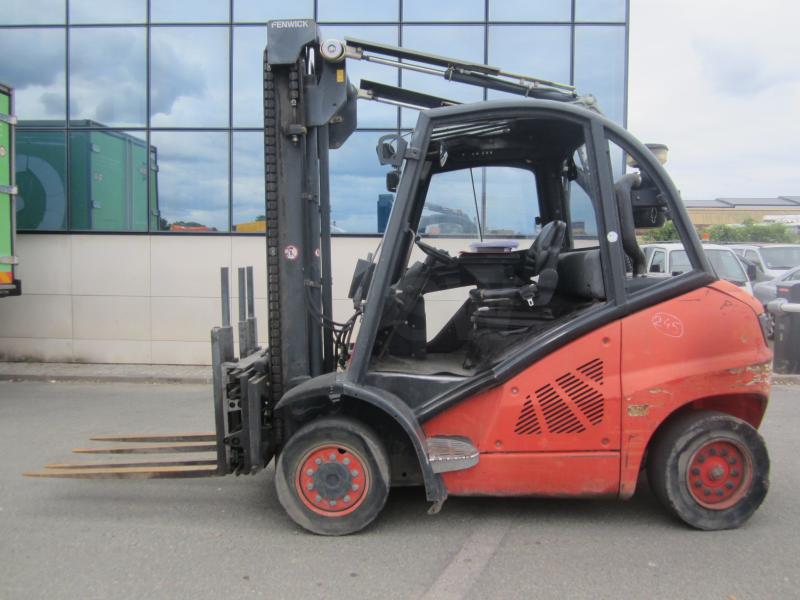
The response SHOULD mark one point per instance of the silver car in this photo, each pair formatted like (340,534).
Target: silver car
(768,290)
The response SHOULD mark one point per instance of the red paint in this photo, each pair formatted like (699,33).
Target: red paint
(541,434)
(344,461)
(719,474)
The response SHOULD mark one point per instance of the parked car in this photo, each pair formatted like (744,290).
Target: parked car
(670,258)
(774,259)
(768,290)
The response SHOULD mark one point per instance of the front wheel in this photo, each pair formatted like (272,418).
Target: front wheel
(710,469)
(332,477)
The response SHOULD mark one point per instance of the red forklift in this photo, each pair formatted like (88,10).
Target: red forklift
(558,367)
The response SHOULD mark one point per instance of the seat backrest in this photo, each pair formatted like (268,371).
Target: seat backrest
(547,246)
(580,274)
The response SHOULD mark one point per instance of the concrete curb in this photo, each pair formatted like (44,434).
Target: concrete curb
(104,373)
(102,379)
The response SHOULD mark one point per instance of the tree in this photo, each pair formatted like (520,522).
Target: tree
(666,233)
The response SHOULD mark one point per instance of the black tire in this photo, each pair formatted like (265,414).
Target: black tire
(682,455)
(339,440)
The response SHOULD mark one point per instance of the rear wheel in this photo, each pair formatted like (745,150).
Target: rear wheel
(710,469)
(332,477)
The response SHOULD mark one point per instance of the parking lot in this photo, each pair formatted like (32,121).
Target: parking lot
(229,536)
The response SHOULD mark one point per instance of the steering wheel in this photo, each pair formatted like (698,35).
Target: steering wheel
(435,253)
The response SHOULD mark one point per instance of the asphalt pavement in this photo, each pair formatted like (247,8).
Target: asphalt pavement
(228,537)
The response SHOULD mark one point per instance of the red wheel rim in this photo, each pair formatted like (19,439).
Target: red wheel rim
(332,480)
(719,474)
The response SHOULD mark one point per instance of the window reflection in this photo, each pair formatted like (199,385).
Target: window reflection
(261,11)
(37,75)
(180,11)
(525,10)
(357,181)
(109,183)
(33,12)
(600,66)
(512,200)
(370,114)
(189,78)
(443,10)
(600,10)
(462,42)
(107,75)
(358,10)
(248,71)
(41,166)
(109,11)
(248,181)
(192,180)
(547,52)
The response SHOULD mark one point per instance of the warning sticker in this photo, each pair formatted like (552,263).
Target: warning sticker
(291,252)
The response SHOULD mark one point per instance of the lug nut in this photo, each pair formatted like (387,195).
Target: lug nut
(332,456)
(701,459)
(354,487)
(729,485)
(707,492)
(719,492)
(310,472)
(731,461)
(332,503)
(318,461)
(723,452)
(347,498)
(318,498)
(354,473)
(712,451)
(310,486)
(734,473)
(698,484)
(695,471)
(346,461)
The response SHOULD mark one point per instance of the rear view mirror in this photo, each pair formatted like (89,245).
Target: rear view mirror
(391,149)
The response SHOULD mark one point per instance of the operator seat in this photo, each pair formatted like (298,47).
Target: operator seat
(517,306)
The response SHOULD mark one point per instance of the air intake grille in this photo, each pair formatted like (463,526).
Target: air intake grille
(562,403)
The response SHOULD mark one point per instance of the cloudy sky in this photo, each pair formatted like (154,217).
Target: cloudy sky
(719,83)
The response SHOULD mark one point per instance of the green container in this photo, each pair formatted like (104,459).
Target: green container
(9,284)
(108,179)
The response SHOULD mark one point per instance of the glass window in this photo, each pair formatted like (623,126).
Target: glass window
(452,204)
(189,78)
(261,11)
(108,181)
(109,11)
(357,10)
(726,265)
(546,52)
(192,180)
(37,74)
(525,10)
(463,42)
(511,204)
(41,167)
(370,114)
(781,257)
(600,67)
(248,181)
(600,10)
(33,12)
(582,214)
(107,76)
(248,74)
(443,10)
(679,262)
(180,11)
(657,263)
(357,181)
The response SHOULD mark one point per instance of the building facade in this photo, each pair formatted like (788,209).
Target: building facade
(140,152)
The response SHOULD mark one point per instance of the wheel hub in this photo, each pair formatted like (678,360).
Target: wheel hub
(332,480)
(719,474)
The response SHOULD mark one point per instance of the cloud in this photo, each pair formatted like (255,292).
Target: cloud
(717,82)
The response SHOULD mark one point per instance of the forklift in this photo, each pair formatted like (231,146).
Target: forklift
(562,370)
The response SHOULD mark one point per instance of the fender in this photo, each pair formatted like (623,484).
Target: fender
(331,388)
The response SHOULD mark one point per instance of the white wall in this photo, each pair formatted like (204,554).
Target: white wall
(147,299)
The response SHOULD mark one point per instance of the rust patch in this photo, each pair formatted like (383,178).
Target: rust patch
(638,410)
